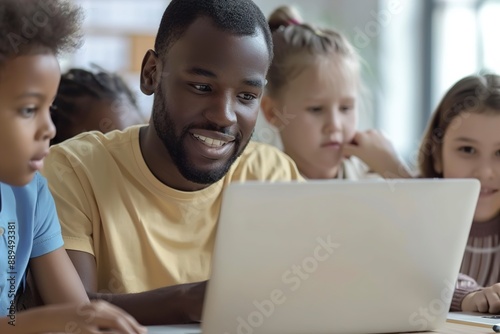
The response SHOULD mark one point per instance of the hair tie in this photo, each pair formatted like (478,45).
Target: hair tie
(293,21)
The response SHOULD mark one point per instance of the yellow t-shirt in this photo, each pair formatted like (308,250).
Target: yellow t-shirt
(143,234)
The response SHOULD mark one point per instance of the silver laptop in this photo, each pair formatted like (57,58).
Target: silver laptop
(337,257)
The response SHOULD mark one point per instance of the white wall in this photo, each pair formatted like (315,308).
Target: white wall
(400,92)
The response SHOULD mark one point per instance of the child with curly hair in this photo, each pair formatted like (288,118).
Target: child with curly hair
(33,33)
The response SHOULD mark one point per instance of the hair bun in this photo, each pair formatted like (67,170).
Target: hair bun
(284,16)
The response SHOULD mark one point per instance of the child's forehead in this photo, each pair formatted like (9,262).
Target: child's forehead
(28,62)
(476,124)
(27,55)
(339,67)
(327,76)
(29,72)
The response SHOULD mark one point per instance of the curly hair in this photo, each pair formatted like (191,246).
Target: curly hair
(30,26)
(100,85)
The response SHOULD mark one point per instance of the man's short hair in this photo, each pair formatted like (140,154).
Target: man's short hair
(238,17)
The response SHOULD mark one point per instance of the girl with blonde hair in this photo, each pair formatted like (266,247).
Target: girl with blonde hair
(312,98)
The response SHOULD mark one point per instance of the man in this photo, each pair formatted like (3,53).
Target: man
(139,208)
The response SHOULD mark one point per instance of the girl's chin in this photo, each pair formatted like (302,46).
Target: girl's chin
(484,216)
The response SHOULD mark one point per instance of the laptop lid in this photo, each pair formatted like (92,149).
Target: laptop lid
(337,256)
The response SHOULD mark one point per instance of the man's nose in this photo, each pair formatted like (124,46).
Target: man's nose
(222,111)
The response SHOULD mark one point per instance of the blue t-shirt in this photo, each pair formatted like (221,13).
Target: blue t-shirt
(29,228)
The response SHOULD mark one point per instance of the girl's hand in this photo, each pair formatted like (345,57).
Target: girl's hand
(378,153)
(486,300)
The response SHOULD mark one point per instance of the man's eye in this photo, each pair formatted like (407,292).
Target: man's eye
(247,97)
(202,88)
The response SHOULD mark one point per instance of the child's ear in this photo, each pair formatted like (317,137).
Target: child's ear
(268,106)
(150,70)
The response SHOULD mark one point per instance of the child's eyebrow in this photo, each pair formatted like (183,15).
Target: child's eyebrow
(470,140)
(30,94)
(321,97)
(465,139)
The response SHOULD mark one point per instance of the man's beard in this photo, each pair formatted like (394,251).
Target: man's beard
(166,131)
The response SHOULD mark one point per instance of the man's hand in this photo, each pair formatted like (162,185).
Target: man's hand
(486,300)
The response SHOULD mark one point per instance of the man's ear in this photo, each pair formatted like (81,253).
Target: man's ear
(150,72)
(269,109)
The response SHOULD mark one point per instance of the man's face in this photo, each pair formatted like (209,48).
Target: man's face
(207,96)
